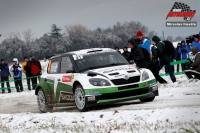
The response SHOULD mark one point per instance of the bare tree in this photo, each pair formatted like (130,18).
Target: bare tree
(151,34)
(28,35)
(170,38)
(13,35)
(179,38)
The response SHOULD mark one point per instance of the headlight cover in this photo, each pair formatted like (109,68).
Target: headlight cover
(99,82)
(145,75)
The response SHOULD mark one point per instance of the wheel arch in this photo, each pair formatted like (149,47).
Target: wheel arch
(75,84)
(37,89)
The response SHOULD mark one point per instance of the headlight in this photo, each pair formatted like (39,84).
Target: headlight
(145,76)
(99,82)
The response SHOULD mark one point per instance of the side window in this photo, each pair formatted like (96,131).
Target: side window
(53,66)
(66,64)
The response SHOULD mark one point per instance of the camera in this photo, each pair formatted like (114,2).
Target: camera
(190,39)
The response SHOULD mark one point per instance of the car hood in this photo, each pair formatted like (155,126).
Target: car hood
(116,72)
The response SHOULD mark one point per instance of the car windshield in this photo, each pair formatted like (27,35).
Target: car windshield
(100,60)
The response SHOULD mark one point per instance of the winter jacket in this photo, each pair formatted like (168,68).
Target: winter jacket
(178,55)
(145,43)
(4,70)
(184,51)
(126,54)
(23,65)
(16,69)
(196,63)
(32,67)
(197,44)
(161,48)
(138,57)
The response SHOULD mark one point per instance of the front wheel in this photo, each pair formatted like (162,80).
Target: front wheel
(80,99)
(147,99)
(42,103)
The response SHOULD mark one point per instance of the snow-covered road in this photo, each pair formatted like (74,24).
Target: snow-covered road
(171,95)
(176,107)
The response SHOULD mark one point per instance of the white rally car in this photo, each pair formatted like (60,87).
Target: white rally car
(91,77)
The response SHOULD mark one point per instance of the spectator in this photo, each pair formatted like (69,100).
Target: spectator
(16,70)
(26,72)
(184,52)
(196,42)
(144,42)
(164,59)
(4,76)
(178,56)
(35,70)
(126,53)
(195,66)
(137,54)
(117,49)
(154,63)
(172,58)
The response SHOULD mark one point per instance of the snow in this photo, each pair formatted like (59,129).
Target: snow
(166,114)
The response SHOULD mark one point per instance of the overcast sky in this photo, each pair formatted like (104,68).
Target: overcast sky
(39,15)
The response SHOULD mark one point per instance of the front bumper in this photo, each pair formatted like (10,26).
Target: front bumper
(119,96)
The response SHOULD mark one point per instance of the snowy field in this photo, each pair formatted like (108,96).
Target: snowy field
(177,109)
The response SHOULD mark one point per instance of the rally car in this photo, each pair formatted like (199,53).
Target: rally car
(91,77)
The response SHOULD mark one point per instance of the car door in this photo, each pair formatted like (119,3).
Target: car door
(52,71)
(64,92)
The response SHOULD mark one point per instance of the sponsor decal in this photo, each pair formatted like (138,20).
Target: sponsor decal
(66,97)
(93,93)
(117,69)
(80,56)
(67,78)
(181,10)
(152,84)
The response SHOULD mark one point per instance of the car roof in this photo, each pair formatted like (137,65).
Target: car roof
(85,51)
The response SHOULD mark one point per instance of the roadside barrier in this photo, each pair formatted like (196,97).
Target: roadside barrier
(5,85)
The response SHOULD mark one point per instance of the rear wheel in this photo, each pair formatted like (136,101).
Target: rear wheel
(147,99)
(42,103)
(80,99)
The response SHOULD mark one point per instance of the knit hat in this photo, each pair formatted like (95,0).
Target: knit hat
(182,41)
(139,33)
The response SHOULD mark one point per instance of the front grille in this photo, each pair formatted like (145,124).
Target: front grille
(123,94)
(124,81)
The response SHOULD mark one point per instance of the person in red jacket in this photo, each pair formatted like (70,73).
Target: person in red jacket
(35,68)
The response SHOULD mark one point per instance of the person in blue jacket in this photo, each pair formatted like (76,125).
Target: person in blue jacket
(196,42)
(184,53)
(4,76)
(144,42)
(16,70)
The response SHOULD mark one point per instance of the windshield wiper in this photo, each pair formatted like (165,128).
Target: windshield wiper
(116,64)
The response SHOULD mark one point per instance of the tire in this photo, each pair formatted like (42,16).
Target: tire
(80,99)
(147,99)
(42,102)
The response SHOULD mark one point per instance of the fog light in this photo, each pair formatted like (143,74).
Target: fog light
(154,88)
(92,98)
